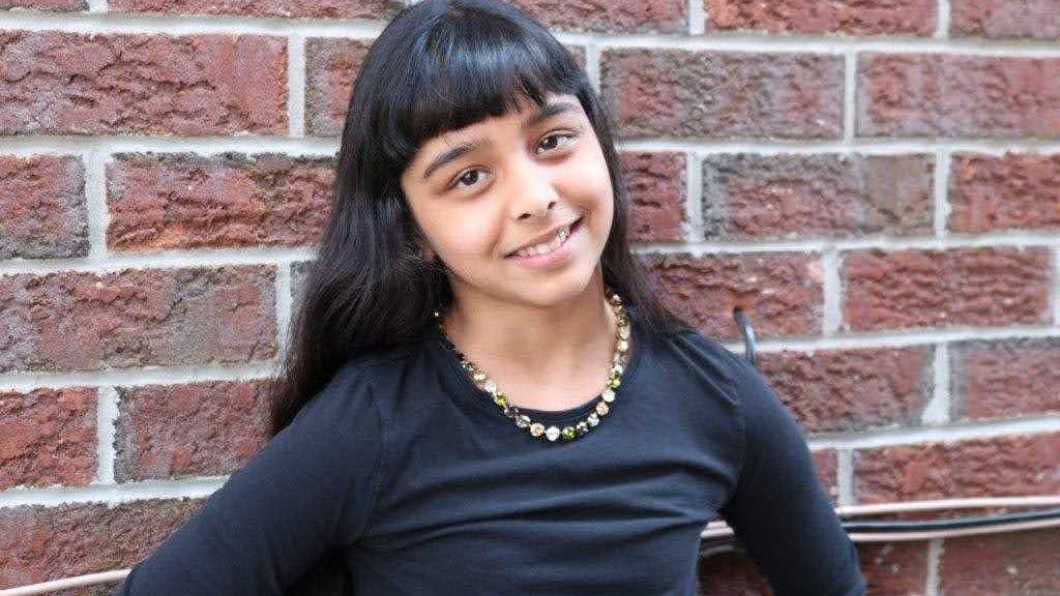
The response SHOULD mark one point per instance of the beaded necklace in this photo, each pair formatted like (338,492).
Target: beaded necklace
(619,361)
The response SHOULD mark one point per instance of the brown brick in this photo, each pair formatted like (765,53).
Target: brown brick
(1038,19)
(299,272)
(657,195)
(780,293)
(1014,191)
(47,543)
(332,64)
(851,389)
(999,379)
(932,95)
(940,288)
(137,317)
(826,463)
(90,84)
(231,200)
(894,568)
(792,196)
(45,5)
(42,207)
(685,94)
(48,437)
(198,429)
(290,9)
(851,17)
(1021,563)
(730,573)
(997,466)
(619,16)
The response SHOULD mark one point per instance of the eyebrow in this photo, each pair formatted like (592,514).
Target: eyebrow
(543,113)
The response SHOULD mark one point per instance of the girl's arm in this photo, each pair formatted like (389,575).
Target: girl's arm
(309,489)
(779,510)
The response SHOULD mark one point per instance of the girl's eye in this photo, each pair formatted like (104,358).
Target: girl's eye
(471,176)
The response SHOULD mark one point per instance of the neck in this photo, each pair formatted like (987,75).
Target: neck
(551,342)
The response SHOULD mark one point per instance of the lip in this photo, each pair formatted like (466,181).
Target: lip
(560,254)
(542,238)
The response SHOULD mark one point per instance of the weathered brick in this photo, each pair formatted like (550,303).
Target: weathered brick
(826,464)
(131,318)
(48,437)
(851,17)
(939,288)
(851,389)
(781,293)
(42,207)
(999,379)
(291,9)
(619,16)
(198,429)
(894,568)
(90,84)
(45,5)
(1021,563)
(1038,19)
(730,573)
(1014,191)
(47,543)
(332,64)
(833,195)
(1014,465)
(944,95)
(299,272)
(186,200)
(657,195)
(684,94)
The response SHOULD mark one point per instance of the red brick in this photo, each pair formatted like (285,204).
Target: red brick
(137,317)
(999,379)
(997,466)
(291,9)
(46,5)
(231,200)
(852,389)
(932,95)
(1004,18)
(618,16)
(1021,563)
(90,84)
(894,568)
(332,64)
(199,429)
(826,463)
(939,288)
(48,437)
(42,207)
(833,195)
(47,543)
(685,94)
(851,17)
(780,293)
(657,195)
(1014,191)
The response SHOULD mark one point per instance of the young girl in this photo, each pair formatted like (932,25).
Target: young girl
(483,396)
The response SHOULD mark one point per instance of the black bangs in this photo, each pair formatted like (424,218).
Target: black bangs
(472,65)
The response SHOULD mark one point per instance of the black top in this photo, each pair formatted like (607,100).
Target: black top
(425,488)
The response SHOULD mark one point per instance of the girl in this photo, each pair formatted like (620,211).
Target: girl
(483,395)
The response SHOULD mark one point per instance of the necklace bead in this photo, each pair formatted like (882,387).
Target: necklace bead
(619,361)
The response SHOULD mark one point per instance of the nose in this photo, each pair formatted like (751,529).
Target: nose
(531,189)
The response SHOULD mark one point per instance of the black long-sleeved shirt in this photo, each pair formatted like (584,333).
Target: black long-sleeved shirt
(411,473)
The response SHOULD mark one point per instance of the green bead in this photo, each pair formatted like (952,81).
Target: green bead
(614,383)
(500,400)
(568,432)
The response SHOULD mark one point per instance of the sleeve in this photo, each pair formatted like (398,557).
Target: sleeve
(310,488)
(779,510)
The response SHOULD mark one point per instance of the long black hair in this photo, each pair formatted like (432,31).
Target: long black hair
(439,65)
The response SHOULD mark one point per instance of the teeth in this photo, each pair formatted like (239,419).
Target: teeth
(546,247)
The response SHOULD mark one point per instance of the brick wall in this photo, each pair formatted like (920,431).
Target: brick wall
(877,183)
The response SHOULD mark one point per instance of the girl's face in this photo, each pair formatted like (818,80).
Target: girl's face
(481,192)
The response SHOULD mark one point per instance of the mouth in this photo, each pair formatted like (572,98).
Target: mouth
(544,249)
